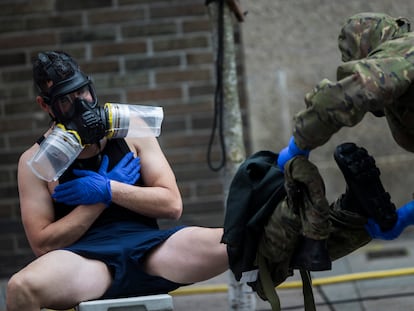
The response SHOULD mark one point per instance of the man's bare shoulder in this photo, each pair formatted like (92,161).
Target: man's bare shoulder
(24,172)
(138,145)
(28,154)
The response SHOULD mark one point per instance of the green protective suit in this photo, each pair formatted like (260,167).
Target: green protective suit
(265,216)
(376,77)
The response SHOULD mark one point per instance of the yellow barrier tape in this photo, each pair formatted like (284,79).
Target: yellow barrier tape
(360,276)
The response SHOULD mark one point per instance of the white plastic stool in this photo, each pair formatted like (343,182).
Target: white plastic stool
(143,303)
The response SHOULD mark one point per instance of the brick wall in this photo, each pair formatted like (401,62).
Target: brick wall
(137,51)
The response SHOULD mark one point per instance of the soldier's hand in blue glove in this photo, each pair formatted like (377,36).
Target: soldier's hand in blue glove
(89,188)
(126,171)
(289,152)
(405,218)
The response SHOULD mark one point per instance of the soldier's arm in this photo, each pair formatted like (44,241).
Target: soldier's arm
(362,86)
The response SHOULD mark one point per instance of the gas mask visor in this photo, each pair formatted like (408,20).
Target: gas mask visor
(63,95)
(75,106)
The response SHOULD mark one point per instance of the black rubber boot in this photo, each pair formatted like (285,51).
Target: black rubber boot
(311,255)
(365,193)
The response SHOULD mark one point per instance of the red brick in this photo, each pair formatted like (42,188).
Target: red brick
(14,91)
(189,43)
(118,16)
(200,90)
(183,140)
(183,75)
(186,9)
(16,124)
(149,29)
(16,75)
(171,125)
(6,210)
(77,51)
(24,141)
(208,188)
(197,25)
(20,106)
(145,63)
(19,8)
(12,24)
(194,107)
(154,95)
(124,48)
(64,5)
(122,81)
(75,35)
(101,67)
(11,59)
(200,58)
(53,21)
(28,40)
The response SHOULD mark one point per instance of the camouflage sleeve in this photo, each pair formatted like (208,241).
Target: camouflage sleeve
(362,86)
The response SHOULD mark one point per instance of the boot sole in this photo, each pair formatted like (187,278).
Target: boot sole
(363,182)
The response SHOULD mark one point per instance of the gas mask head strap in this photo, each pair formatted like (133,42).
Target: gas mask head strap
(55,71)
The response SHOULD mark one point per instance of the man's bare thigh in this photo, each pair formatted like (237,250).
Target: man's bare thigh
(62,278)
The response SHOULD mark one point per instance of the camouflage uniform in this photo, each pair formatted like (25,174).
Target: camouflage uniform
(306,196)
(376,77)
(310,214)
(306,213)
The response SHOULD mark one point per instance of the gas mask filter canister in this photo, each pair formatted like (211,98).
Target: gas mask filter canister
(63,145)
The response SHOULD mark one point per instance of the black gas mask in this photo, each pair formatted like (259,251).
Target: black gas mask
(74,104)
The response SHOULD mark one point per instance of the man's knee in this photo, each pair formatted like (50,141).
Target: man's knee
(20,290)
(19,282)
(15,285)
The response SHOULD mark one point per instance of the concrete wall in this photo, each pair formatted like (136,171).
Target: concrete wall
(289,46)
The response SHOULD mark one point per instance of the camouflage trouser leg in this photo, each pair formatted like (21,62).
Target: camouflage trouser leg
(277,245)
(306,191)
(347,231)
(281,235)
(344,230)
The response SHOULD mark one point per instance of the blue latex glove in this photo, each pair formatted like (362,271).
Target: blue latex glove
(405,218)
(126,171)
(290,152)
(90,188)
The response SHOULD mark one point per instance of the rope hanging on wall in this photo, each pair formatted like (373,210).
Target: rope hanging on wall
(218,96)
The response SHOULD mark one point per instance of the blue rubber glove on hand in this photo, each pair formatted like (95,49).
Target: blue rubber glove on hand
(90,188)
(126,171)
(405,218)
(290,152)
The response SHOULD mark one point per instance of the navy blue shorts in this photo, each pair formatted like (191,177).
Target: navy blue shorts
(122,246)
